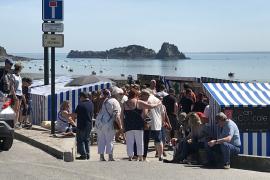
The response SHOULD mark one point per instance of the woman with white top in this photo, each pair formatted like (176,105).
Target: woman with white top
(65,123)
(17,92)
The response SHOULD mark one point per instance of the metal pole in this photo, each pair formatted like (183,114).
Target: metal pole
(53,110)
(46,63)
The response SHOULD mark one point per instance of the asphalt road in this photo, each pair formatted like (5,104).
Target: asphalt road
(24,162)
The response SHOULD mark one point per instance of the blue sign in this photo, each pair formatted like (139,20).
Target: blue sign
(52,10)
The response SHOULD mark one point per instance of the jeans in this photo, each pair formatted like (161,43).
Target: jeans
(227,150)
(146,137)
(83,137)
(191,148)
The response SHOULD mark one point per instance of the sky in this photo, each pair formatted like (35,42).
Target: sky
(192,25)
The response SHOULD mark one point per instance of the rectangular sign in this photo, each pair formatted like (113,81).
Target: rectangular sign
(53,40)
(52,10)
(52,27)
(251,119)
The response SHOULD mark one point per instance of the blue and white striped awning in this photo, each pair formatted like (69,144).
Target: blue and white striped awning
(240,94)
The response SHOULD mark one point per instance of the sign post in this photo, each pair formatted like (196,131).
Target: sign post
(53,89)
(52,10)
(46,64)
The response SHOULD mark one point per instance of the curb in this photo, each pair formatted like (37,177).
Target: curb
(66,156)
(254,163)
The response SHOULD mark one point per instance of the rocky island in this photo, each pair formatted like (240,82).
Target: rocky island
(4,55)
(167,51)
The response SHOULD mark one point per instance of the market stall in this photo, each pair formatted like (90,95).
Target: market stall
(248,104)
(41,96)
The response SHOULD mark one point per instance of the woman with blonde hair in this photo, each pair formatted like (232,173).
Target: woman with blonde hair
(65,123)
(196,138)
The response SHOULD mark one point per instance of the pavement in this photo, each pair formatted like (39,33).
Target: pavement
(26,162)
(65,147)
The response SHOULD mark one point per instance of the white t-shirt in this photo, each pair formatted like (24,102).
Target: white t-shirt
(156,113)
(61,125)
(17,84)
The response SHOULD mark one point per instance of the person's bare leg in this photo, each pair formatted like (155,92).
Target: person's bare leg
(16,109)
(159,147)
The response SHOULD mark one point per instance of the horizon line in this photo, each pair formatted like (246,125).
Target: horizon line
(197,52)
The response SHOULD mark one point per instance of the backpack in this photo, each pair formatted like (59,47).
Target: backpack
(5,83)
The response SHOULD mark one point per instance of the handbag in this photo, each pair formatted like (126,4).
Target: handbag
(147,125)
(115,124)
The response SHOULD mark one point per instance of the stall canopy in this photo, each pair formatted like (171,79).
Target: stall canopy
(240,94)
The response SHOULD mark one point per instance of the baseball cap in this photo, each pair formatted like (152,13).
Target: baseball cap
(201,115)
(9,61)
(203,118)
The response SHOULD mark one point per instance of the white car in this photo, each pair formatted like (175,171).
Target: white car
(7,117)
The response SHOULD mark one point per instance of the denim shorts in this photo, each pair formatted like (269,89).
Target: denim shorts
(157,136)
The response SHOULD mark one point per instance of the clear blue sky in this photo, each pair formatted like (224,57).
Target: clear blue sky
(192,25)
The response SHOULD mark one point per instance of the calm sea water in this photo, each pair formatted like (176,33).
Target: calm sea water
(245,66)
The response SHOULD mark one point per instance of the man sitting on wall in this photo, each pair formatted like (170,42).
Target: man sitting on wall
(228,142)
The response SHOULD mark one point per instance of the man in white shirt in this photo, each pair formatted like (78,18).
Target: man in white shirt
(157,116)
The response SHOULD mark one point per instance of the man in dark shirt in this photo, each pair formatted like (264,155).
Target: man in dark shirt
(187,102)
(170,103)
(199,105)
(84,112)
(5,76)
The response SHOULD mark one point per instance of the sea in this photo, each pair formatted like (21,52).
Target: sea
(246,66)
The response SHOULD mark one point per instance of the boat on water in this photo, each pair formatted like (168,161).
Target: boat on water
(94,73)
(231,74)
(70,70)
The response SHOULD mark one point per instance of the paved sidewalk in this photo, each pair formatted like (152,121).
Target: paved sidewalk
(65,148)
(59,147)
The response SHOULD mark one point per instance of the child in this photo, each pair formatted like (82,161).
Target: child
(26,102)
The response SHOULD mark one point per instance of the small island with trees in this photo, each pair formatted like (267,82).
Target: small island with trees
(167,51)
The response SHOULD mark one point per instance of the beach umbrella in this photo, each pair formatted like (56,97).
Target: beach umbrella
(83,80)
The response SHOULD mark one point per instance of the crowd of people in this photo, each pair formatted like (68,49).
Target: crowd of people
(17,90)
(136,113)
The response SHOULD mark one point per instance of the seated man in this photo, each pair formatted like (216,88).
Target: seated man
(228,142)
